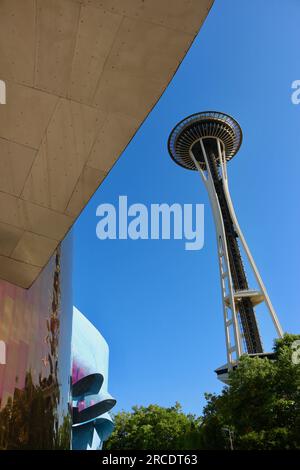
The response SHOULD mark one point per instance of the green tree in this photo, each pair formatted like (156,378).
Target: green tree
(155,427)
(260,407)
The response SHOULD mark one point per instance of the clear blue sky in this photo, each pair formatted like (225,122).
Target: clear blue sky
(159,306)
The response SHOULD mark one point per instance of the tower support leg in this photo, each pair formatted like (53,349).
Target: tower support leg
(232,332)
(230,296)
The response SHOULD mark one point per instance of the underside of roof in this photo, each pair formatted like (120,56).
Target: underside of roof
(80,76)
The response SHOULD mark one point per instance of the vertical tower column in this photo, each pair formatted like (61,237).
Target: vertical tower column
(205,142)
(232,330)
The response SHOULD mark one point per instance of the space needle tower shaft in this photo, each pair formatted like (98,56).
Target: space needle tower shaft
(205,142)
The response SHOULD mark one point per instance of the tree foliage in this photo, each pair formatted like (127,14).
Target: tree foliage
(154,427)
(260,409)
(261,406)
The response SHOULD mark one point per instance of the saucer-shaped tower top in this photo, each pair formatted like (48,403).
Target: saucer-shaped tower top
(207,125)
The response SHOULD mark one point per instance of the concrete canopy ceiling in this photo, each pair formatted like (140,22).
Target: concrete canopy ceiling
(81,76)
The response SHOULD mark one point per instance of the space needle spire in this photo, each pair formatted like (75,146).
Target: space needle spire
(205,142)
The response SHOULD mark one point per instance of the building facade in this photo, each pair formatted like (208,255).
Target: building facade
(49,350)
(92,422)
(35,384)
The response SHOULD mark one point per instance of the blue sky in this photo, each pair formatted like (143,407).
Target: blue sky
(158,305)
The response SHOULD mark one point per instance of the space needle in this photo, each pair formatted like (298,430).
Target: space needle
(205,142)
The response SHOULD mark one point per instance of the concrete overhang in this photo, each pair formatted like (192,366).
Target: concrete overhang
(81,76)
